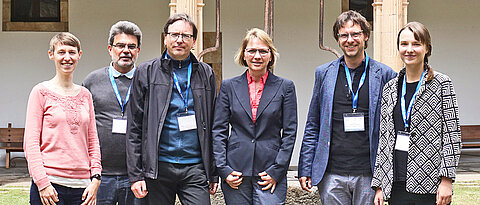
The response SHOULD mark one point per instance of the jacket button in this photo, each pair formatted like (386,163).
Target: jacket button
(253,141)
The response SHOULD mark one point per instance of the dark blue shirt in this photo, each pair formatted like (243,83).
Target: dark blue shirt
(175,146)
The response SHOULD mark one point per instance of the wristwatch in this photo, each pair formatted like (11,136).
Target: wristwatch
(96,176)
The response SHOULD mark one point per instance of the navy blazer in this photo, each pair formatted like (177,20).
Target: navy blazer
(251,148)
(316,140)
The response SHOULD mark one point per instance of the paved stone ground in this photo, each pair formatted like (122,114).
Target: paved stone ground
(468,170)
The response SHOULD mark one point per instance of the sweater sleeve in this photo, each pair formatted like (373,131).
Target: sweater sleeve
(93,142)
(32,138)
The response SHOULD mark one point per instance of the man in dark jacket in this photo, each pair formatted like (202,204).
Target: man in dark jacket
(169,142)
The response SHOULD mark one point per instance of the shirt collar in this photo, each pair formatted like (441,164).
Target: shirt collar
(342,62)
(117,74)
(179,63)
(263,79)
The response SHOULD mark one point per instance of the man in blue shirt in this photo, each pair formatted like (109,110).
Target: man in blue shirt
(169,145)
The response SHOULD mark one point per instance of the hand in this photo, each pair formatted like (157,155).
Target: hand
(306,183)
(378,200)
(48,195)
(234,179)
(213,188)
(269,181)
(89,196)
(139,189)
(444,191)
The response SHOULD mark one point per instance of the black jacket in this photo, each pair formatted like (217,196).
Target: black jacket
(149,100)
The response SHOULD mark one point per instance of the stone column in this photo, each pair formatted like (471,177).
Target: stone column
(389,17)
(194,9)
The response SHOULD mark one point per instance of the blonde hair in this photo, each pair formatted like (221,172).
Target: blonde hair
(261,35)
(64,38)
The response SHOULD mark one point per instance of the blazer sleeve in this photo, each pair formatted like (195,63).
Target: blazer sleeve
(135,115)
(289,133)
(220,130)
(451,138)
(310,137)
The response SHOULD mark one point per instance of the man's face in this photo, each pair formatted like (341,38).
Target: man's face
(124,51)
(351,40)
(178,45)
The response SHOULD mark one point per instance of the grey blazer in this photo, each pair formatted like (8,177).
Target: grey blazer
(435,140)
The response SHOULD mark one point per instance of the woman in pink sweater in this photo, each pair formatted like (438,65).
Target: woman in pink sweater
(61,142)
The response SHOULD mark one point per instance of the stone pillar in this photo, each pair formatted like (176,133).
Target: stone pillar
(389,17)
(194,9)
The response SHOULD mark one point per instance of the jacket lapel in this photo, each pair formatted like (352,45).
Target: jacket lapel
(240,86)
(269,91)
(374,90)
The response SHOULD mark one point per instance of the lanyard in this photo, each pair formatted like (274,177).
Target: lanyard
(406,114)
(350,86)
(177,85)
(117,93)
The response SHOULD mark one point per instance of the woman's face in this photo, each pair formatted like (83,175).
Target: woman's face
(65,57)
(257,55)
(412,51)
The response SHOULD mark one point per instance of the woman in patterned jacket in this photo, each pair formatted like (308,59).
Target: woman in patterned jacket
(419,145)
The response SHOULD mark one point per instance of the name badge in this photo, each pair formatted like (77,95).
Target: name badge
(403,141)
(353,122)
(186,121)
(119,126)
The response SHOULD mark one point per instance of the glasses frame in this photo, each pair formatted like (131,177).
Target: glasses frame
(185,37)
(130,47)
(247,51)
(355,35)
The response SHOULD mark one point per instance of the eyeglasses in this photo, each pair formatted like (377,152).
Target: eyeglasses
(185,37)
(121,46)
(253,51)
(355,35)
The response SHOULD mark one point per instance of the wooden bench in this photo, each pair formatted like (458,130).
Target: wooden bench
(11,139)
(470,136)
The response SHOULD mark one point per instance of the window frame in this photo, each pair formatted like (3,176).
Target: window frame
(8,25)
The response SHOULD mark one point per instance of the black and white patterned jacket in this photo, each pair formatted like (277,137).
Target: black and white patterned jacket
(435,140)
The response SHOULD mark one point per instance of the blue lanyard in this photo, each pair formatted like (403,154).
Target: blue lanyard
(117,93)
(177,85)
(406,114)
(362,80)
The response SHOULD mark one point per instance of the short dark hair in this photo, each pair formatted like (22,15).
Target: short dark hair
(64,38)
(125,27)
(356,18)
(180,17)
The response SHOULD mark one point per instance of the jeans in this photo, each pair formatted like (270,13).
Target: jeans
(344,189)
(249,192)
(66,195)
(188,181)
(115,189)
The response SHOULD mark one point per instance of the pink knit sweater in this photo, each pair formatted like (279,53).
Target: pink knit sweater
(61,136)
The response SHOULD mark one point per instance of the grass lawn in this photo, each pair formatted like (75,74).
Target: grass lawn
(465,193)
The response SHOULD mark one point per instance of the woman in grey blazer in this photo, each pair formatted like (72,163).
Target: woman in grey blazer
(419,146)
(255,127)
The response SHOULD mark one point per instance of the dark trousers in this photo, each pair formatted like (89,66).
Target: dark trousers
(250,192)
(400,196)
(116,189)
(188,181)
(66,195)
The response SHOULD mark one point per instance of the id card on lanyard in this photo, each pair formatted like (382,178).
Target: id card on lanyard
(119,125)
(355,121)
(186,120)
(403,137)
